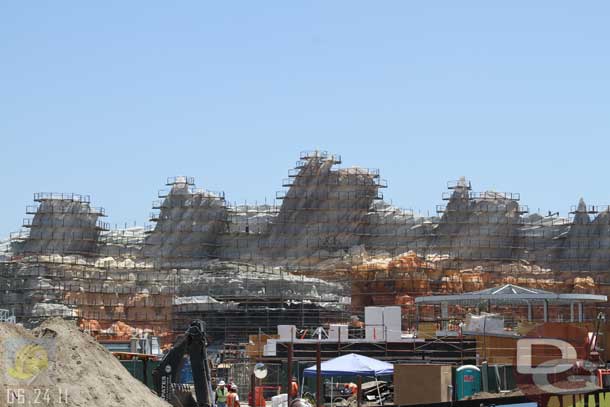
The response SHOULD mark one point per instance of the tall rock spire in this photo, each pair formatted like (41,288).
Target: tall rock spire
(581,216)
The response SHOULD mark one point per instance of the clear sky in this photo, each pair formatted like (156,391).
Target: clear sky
(109,98)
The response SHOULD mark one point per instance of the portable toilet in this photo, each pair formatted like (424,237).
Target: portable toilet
(467,381)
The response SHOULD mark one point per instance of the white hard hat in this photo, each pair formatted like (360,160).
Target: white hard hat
(221,383)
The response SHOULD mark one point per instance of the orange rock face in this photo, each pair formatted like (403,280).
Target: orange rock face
(144,311)
(398,280)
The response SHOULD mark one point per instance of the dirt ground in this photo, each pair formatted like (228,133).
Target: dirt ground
(56,365)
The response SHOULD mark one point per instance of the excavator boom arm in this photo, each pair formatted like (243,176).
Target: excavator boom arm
(193,343)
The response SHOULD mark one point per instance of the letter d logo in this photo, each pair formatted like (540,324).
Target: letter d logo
(525,356)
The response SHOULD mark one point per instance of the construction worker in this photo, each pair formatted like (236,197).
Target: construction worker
(352,387)
(355,322)
(232,397)
(221,394)
(294,388)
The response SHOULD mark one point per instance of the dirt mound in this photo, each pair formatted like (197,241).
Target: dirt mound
(57,365)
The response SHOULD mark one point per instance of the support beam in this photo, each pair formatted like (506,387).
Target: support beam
(319,400)
(444,316)
(546,311)
(289,369)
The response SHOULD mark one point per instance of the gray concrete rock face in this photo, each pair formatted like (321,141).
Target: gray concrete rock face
(324,212)
(327,218)
(188,226)
(62,226)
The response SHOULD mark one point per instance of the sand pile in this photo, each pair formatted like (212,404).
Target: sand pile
(57,365)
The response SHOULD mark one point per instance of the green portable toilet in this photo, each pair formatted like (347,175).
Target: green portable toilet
(467,381)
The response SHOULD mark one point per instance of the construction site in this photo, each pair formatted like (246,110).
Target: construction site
(268,280)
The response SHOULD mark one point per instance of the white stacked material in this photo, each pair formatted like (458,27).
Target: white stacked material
(383,323)
(373,322)
(53,310)
(338,332)
(287,332)
(392,321)
(281,400)
(270,349)
(485,323)
(197,299)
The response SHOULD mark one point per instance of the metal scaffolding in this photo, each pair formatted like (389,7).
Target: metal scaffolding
(325,248)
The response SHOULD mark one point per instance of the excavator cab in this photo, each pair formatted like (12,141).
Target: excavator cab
(166,376)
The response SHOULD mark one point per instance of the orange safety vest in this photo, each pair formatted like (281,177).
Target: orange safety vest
(232,400)
(294,389)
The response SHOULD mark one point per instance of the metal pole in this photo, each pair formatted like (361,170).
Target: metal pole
(289,372)
(545,309)
(378,391)
(359,391)
(253,388)
(319,376)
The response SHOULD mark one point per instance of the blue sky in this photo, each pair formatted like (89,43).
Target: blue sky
(110,98)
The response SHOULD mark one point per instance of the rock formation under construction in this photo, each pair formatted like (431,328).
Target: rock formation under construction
(331,246)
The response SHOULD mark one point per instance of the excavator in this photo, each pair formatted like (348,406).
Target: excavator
(166,377)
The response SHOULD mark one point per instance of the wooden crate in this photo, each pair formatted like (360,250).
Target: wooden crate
(421,384)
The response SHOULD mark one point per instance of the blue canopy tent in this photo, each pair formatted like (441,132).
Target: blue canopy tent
(353,364)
